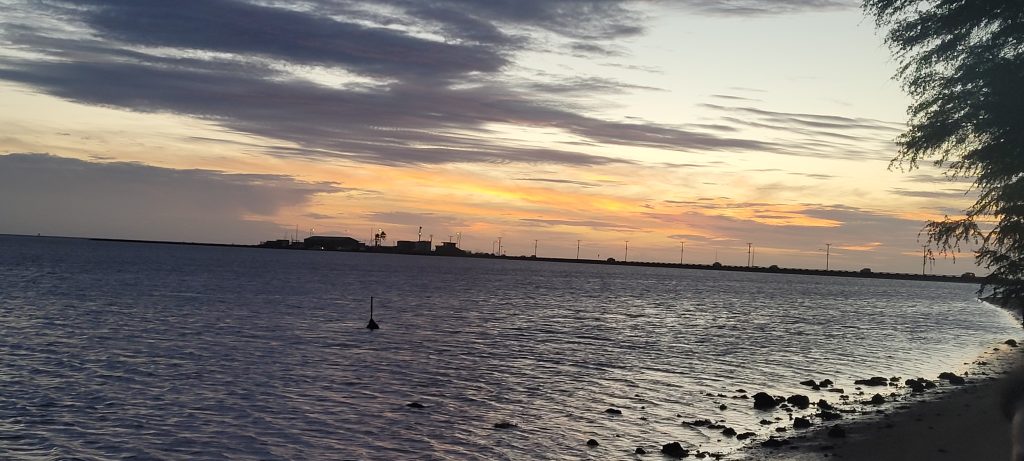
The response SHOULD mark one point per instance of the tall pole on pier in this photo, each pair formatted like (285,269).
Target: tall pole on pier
(577,249)
(535,248)
(828,251)
(681,249)
(499,246)
(458,239)
(626,256)
(750,258)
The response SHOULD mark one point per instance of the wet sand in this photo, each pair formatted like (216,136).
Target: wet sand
(948,423)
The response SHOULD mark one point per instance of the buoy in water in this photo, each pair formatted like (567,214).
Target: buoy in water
(372,325)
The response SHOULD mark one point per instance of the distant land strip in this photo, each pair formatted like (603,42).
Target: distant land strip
(966,278)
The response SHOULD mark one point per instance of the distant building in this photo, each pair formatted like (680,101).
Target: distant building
(282,243)
(408,246)
(448,249)
(319,242)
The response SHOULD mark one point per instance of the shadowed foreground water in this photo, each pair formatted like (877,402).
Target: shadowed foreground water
(136,351)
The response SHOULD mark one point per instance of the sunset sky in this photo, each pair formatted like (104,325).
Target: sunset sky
(702,122)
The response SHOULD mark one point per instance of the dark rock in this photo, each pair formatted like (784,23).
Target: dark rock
(723,407)
(763,401)
(613,411)
(505,425)
(825,383)
(729,432)
(837,432)
(675,449)
(716,426)
(877,399)
(808,383)
(415,405)
(745,435)
(781,429)
(915,385)
(952,378)
(801,423)
(874,381)
(799,401)
(698,422)
(592,443)
(765,422)
(838,390)
(894,379)
(741,391)
(773,442)
(829,416)
(824,405)
(640,451)
(1011,342)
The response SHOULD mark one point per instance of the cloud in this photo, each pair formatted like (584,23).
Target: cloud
(948,194)
(431,222)
(561,181)
(405,86)
(764,7)
(42,193)
(593,224)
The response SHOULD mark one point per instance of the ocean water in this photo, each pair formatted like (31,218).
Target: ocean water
(144,351)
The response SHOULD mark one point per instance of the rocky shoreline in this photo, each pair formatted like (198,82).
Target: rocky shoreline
(895,418)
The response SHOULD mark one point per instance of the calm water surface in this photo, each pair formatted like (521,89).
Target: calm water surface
(138,351)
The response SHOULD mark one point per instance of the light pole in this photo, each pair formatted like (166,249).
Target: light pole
(499,246)
(577,250)
(681,249)
(828,252)
(626,256)
(534,248)
(458,239)
(750,259)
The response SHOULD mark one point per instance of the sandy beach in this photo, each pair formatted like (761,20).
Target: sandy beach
(950,422)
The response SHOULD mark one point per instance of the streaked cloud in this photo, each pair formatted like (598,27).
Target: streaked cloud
(42,193)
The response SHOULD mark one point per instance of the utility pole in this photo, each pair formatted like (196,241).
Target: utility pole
(626,257)
(924,258)
(419,234)
(499,246)
(681,249)
(577,250)
(535,248)
(750,256)
(458,239)
(828,252)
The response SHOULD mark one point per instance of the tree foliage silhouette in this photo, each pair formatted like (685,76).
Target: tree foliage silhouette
(962,62)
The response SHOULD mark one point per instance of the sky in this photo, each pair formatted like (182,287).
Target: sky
(645,130)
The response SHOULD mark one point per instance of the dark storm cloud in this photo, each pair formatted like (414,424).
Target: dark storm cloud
(64,196)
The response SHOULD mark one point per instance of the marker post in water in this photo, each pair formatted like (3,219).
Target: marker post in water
(372,325)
